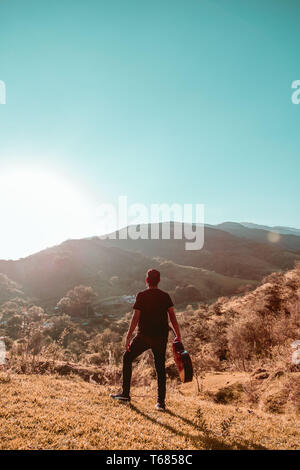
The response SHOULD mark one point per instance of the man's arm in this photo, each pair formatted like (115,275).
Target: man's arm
(132,327)
(175,325)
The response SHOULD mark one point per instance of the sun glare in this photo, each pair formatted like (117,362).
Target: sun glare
(39,209)
(273,237)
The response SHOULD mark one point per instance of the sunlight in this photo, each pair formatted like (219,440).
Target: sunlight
(39,209)
(273,237)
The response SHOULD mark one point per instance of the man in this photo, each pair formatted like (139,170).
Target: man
(150,314)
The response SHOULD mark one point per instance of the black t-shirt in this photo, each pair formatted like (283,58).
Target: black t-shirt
(153,304)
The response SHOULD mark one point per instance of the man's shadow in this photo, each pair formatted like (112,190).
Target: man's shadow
(203,440)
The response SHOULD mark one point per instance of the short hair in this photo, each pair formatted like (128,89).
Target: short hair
(153,277)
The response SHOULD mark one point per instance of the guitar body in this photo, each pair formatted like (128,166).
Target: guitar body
(183,362)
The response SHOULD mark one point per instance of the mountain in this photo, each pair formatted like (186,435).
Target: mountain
(227,264)
(110,270)
(282,237)
(222,252)
(49,274)
(277,228)
(9,289)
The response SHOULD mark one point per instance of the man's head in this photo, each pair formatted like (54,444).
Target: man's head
(153,277)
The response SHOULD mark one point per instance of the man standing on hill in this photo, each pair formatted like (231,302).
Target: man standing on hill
(150,314)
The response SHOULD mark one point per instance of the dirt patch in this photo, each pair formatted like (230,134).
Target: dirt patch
(230,394)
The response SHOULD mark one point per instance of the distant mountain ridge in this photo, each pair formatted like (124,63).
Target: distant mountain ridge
(288,238)
(227,264)
(227,253)
(277,228)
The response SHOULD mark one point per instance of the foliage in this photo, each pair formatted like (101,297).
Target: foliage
(78,302)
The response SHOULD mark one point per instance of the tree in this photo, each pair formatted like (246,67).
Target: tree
(8,288)
(35,314)
(186,294)
(78,302)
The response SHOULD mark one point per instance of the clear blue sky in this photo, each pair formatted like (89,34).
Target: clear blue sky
(161,100)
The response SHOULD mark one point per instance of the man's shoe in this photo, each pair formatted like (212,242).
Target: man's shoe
(119,396)
(160,406)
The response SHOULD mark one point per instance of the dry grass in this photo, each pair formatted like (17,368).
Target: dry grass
(49,412)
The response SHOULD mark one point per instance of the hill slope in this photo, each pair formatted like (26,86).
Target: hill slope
(276,228)
(224,265)
(44,412)
(286,239)
(223,253)
(49,274)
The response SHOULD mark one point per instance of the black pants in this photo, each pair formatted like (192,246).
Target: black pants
(138,346)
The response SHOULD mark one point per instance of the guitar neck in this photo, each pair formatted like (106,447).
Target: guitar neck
(171,329)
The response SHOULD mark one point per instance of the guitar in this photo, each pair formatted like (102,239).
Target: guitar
(182,360)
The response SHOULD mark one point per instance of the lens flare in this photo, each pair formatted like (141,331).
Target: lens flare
(273,237)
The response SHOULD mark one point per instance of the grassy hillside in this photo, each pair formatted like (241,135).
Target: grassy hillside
(226,264)
(9,289)
(46,412)
(114,271)
(249,331)
(223,253)
(209,283)
(278,292)
(245,395)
